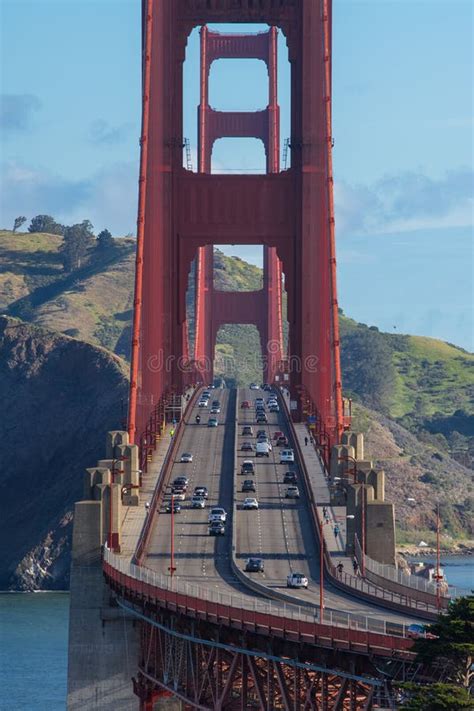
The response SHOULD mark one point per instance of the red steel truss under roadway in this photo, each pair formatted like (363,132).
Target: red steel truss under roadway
(291,212)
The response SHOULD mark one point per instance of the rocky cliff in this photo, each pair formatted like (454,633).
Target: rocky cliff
(59,398)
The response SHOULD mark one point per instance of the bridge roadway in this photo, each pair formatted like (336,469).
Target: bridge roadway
(280,531)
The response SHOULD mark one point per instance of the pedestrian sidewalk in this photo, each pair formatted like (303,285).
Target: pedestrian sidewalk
(134,516)
(335,515)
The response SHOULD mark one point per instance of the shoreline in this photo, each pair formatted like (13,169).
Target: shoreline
(430,551)
(34,592)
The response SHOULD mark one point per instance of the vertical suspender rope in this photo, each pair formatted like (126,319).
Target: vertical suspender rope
(332,246)
(137,304)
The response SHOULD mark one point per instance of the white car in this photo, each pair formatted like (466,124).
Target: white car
(263,449)
(198,502)
(217,514)
(254,386)
(292,492)
(296,580)
(287,456)
(186,457)
(203,403)
(250,503)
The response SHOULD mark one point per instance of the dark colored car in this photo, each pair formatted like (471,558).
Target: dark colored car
(181,481)
(262,419)
(247,467)
(260,433)
(175,505)
(254,565)
(282,441)
(247,447)
(201,491)
(216,528)
(290,478)
(248,485)
(247,430)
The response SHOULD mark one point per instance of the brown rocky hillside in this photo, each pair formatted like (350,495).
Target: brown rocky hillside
(59,398)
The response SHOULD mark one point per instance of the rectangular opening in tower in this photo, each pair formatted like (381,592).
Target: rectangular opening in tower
(236,100)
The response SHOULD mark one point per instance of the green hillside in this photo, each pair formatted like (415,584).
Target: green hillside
(425,384)
(92,304)
(406,374)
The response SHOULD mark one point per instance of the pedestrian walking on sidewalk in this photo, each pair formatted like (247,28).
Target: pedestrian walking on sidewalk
(336,531)
(147,506)
(325,511)
(305,441)
(355,565)
(340,568)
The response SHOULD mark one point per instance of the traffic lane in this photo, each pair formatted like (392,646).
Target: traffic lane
(193,545)
(281,531)
(200,558)
(274,531)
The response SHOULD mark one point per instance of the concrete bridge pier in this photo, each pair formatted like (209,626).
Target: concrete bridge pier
(103,639)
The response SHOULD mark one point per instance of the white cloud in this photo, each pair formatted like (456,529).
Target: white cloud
(406,202)
(108,198)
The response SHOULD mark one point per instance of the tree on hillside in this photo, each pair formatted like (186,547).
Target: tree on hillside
(435,697)
(77,241)
(367,366)
(453,648)
(104,240)
(19,221)
(46,223)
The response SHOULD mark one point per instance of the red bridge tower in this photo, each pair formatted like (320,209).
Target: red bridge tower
(182,213)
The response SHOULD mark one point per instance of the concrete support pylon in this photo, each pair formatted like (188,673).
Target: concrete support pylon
(211,126)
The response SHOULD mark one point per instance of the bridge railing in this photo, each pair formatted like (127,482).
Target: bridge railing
(376,572)
(197,595)
(377,593)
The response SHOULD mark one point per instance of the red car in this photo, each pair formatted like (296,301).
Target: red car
(277,434)
(245,405)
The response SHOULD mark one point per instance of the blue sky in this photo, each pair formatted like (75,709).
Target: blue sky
(403,127)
